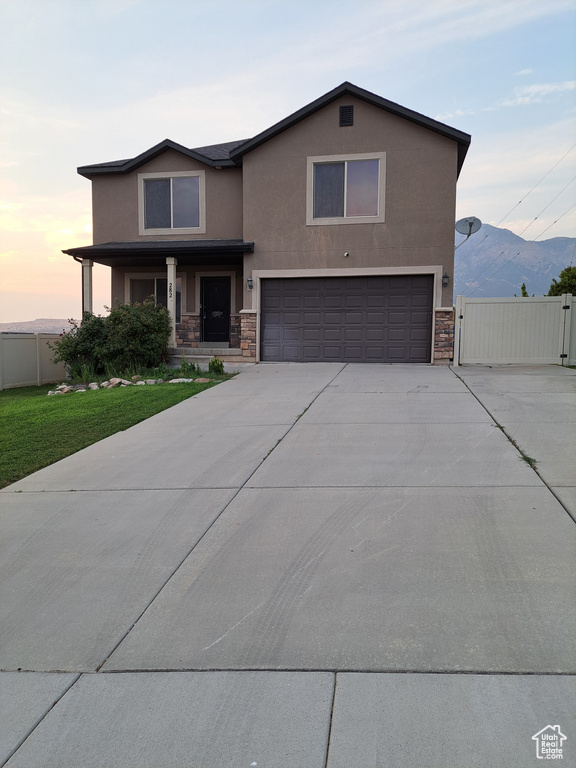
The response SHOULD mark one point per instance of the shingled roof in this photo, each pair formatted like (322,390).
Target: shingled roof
(230,154)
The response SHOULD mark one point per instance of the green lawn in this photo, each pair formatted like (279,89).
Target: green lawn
(36,430)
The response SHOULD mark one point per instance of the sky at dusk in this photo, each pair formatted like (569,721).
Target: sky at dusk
(87,81)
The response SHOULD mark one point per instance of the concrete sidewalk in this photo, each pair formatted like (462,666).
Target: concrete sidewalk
(307,566)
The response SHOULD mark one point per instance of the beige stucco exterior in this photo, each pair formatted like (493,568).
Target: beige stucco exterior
(420,200)
(259,198)
(115,201)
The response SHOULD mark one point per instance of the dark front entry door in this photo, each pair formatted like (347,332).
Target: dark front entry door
(216,309)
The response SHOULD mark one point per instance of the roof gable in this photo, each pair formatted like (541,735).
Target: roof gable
(348,89)
(214,155)
(230,154)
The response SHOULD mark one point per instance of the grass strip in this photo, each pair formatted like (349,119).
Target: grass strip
(36,430)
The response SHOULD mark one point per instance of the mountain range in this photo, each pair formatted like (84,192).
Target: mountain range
(495,262)
(40,325)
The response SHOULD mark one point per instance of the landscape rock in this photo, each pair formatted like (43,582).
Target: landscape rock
(202,381)
(180,381)
(93,385)
(140,383)
(105,384)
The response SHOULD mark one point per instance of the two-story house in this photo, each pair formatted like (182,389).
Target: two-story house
(327,237)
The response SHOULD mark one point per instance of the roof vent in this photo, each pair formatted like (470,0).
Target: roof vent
(347,115)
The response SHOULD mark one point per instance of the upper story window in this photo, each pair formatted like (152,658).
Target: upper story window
(346,189)
(172,203)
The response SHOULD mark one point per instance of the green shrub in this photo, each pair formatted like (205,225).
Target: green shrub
(83,347)
(188,370)
(216,366)
(131,337)
(138,335)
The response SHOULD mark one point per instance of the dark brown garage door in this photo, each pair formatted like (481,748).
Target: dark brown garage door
(347,319)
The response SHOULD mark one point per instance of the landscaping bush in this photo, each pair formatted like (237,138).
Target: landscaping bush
(138,335)
(131,337)
(83,347)
(216,366)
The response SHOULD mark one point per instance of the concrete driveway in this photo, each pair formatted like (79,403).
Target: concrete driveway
(307,566)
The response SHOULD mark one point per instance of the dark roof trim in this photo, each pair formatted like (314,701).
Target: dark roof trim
(348,89)
(127,166)
(230,154)
(161,248)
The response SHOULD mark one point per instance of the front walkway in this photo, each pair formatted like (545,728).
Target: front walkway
(310,565)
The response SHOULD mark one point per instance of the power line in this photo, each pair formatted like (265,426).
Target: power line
(516,206)
(524,230)
(521,251)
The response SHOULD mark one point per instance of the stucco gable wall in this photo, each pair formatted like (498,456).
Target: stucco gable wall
(421,170)
(115,201)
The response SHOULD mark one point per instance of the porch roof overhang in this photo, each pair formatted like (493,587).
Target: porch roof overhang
(154,253)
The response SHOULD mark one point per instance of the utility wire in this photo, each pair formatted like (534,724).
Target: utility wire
(524,230)
(516,206)
(522,250)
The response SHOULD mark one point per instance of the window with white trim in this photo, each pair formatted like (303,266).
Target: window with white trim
(172,203)
(346,189)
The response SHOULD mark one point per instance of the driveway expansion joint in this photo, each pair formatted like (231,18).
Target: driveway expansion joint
(524,457)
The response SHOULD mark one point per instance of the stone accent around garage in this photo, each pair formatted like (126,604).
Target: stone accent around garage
(248,334)
(443,336)
(235,331)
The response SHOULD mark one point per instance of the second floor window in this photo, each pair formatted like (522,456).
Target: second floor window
(346,189)
(172,203)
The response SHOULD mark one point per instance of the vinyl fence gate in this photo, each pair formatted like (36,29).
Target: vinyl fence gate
(525,331)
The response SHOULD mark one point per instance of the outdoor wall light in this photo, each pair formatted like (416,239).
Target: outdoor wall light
(250,283)
(445,280)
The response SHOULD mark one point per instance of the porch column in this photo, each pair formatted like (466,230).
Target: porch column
(171,263)
(87,265)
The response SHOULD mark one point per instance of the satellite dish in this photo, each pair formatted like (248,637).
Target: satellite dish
(468,225)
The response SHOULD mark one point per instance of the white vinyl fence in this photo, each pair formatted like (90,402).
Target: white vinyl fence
(534,331)
(26,360)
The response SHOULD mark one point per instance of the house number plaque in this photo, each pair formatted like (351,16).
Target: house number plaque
(170,290)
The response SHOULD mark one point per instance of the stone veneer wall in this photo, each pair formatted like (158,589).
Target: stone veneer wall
(188,331)
(235,331)
(248,334)
(443,335)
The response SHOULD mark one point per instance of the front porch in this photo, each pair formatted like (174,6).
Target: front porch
(200,282)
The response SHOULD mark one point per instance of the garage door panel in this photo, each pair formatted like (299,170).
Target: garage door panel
(399,318)
(376,318)
(398,334)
